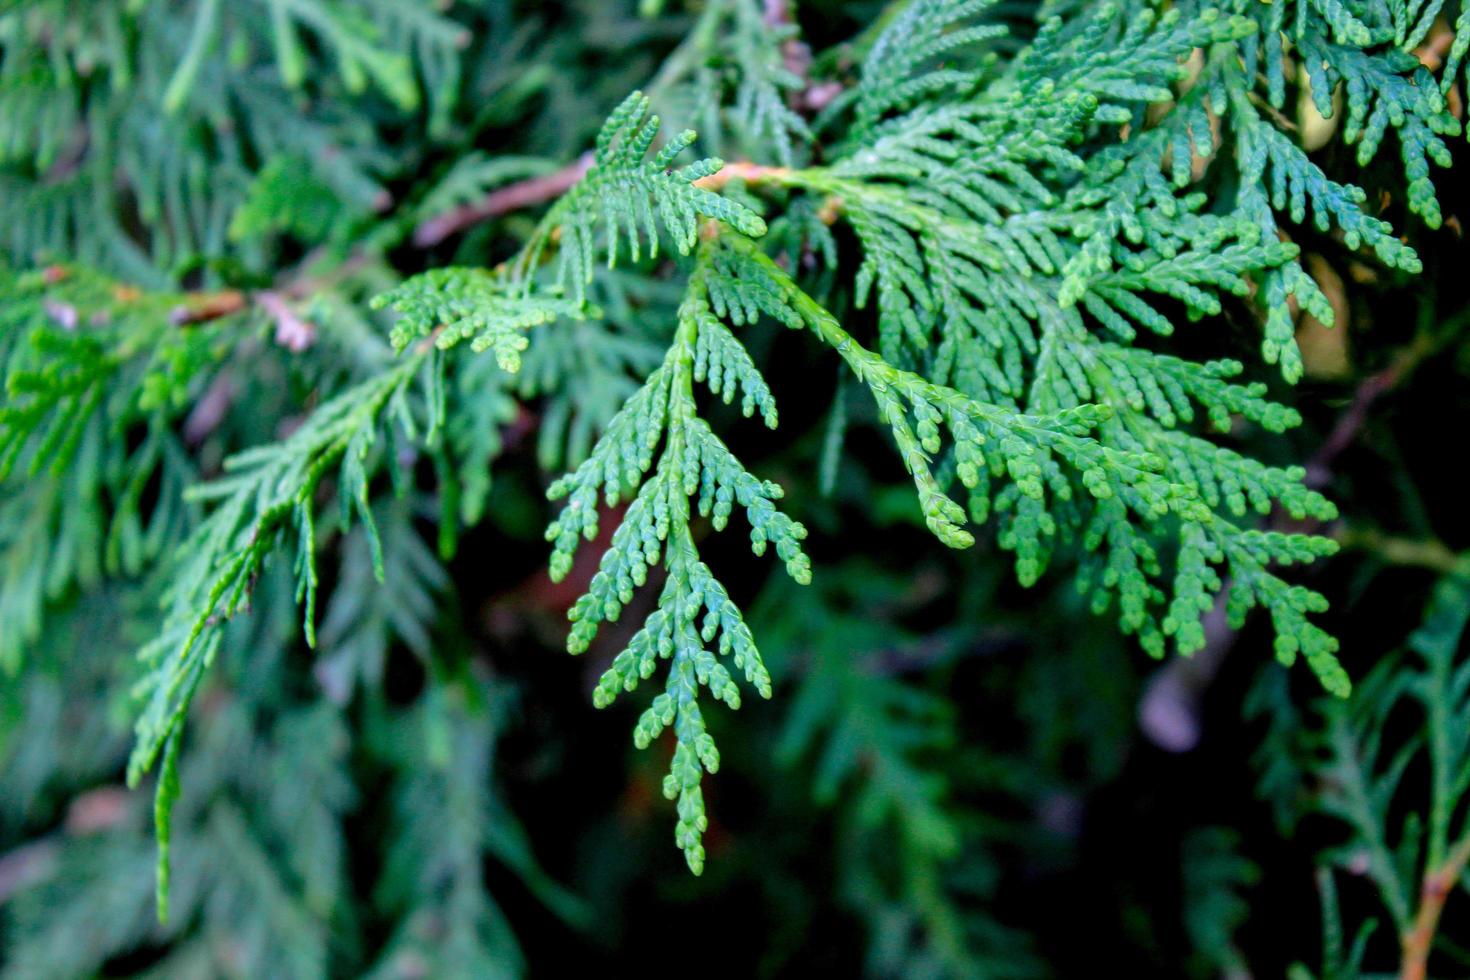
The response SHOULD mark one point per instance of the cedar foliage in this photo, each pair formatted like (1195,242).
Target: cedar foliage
(287,285)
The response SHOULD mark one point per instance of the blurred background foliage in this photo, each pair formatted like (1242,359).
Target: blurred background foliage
(958,776)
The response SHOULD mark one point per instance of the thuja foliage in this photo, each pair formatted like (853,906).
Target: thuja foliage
(287,284)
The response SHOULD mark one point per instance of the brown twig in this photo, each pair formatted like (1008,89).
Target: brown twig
(426,344)
(1438,883)
(1431,53)
(297,334)
(1369,390)
(751,173)
(512,197)
(203,307)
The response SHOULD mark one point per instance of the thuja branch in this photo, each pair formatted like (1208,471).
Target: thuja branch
(658,453)
(1024,468)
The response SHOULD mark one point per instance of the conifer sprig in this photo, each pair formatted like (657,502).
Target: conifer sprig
(1361,50)
(1408,832)
(631,197)
(450,305)
(659,454)
(1141,476)
(267,500)
(267,497)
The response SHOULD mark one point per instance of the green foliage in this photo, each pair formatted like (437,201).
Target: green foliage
(866,732)
(1358,49)
(1402,806)
(997,220)
(1214,876)
(981,288)
(629,195)
(267,493)
(694,610)
(768,57)
(445,818)
(260,842)
(739,75)
(95,377)
(451,305)
(181,105)
(945,193)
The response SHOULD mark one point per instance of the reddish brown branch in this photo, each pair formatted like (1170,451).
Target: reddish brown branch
(512,197)
(203,307)
(751,173)
(1369,390)
(1438,883)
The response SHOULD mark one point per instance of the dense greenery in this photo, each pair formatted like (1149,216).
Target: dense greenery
(1119,350)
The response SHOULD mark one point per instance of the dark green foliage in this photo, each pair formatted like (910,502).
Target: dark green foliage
(1402,847)
(305,304)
